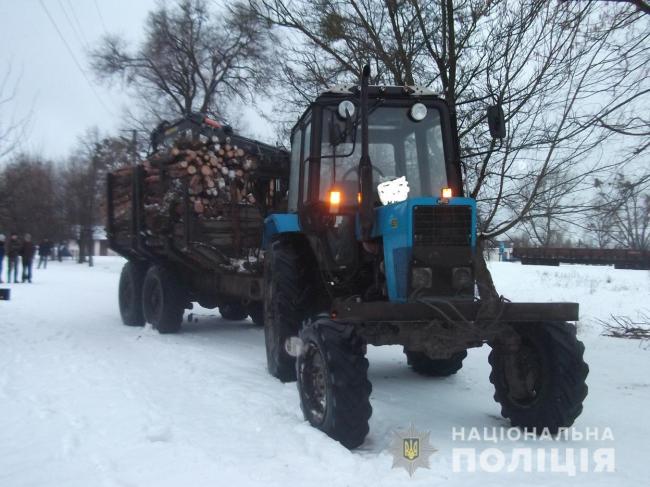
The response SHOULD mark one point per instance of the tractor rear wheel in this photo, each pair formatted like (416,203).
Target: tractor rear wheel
(232,312)
(421,363)
(164,300)
(130,293)
(288,294)
(333,381)
(542,384)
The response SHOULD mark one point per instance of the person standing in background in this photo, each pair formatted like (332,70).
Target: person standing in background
(2,253)
(12,248)
(27,254)
(44,251)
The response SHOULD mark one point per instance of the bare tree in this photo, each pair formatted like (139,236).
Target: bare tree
(599,225)
(625,206)
(12,129)
(29,196)
(192,59)
(84,183)
(642,5)
(546,226)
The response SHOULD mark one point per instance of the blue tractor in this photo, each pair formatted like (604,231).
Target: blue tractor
(378,246)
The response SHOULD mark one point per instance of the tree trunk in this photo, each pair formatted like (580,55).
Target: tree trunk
(81,258)
(91,250)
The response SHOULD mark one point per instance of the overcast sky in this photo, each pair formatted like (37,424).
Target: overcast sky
(63,100)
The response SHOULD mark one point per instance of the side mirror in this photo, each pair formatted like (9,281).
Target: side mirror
(340,131)
(336,132)
(496,121)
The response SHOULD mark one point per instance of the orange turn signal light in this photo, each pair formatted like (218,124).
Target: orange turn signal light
(447,193)
(335,198)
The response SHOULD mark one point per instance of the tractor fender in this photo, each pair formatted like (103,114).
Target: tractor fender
(278,224)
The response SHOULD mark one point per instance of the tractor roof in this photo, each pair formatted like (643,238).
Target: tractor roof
(404,94)
(379,90)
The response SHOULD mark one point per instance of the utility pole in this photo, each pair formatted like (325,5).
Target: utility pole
(90,238)
(134,147)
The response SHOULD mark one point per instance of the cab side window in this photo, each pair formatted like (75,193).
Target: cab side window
(294,177)
(305,157)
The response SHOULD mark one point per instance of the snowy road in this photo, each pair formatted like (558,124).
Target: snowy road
(85,401)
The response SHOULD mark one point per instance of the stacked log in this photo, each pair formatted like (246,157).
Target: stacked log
(213,182)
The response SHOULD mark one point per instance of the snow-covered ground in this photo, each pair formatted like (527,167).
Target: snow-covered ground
(85,401)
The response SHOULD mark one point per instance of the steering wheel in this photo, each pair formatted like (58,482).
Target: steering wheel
(356,168)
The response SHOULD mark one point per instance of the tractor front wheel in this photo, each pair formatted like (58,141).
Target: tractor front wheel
(541,385)
(333,381)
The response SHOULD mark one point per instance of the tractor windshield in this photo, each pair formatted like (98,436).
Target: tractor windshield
(398,145)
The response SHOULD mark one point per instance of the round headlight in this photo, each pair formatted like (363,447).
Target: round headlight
(418,112)
(346,109)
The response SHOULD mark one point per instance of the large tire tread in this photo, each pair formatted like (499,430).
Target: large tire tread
(349,408)
(130,293)
(566,373)
(168,318)
(288,274)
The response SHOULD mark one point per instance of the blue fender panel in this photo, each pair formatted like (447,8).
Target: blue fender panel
(278,223)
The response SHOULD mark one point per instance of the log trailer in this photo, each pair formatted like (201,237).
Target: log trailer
(177,256)
(378,246)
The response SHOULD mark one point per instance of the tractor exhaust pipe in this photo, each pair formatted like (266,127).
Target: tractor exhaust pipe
(366,210)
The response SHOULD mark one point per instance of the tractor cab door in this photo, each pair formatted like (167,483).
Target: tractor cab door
(331,233)
(300,153)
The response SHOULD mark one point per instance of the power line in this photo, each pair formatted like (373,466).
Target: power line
(75,32)
(79,25)
(101,17)
(74,58)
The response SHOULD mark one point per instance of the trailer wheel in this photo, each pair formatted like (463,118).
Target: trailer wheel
(163,298)
(287,295)
(333,381)
(130,293)
(422,364)
(541,385)
(233,312)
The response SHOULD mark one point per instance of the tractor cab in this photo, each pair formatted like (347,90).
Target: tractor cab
(410,144)
(411,167)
